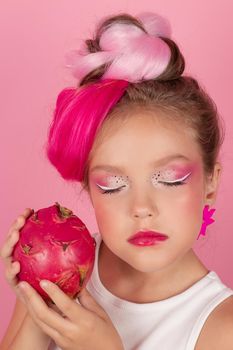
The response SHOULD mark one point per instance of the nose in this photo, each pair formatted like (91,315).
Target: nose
(142,214)
(143,205)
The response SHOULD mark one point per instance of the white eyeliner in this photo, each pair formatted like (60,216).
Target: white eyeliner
(172,181)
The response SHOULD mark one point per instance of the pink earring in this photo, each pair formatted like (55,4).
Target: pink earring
(207,220)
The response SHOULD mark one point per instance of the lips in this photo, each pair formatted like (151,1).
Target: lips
(147,237)
(148,234)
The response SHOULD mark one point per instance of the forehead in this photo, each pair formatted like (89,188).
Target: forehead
(157,163)
(143,140)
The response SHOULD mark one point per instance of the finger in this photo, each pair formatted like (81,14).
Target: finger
(51,332)
(41,311)
(55,308)
(87,300)
(11,274)
(20,221)
(9,244)
(11,271)
(56,335)
(13,233)
(68,306)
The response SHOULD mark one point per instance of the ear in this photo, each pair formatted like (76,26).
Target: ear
(212,183)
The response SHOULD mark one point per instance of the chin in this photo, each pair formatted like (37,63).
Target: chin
(148,265)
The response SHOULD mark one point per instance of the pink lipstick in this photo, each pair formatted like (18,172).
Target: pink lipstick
(147,238)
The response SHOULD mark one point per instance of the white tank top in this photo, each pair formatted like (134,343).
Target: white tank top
(173,323)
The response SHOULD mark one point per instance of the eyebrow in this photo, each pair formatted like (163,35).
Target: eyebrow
(160,162)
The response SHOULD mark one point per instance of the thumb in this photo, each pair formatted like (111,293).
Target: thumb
(87,301)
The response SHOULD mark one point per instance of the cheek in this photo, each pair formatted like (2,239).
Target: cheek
(105,213)
(189,206)
(105,205)
(195,195)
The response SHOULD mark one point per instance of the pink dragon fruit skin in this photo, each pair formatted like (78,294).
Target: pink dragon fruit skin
(55,244)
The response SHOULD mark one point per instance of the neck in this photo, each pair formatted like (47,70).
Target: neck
(125,282)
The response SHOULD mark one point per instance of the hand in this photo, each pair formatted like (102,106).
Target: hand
(13,268)
(73,326)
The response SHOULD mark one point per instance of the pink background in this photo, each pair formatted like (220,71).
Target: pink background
(34,37)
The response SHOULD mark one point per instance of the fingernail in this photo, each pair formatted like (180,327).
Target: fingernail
(44,284)
(22,287)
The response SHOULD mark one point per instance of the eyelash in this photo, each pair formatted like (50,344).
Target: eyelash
(177,183)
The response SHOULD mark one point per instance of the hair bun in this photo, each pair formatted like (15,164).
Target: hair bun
(155,24)
(128,48)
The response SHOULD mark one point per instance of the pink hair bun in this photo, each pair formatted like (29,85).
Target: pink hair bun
(133,54)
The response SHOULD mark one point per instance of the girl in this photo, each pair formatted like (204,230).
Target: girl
(143,140)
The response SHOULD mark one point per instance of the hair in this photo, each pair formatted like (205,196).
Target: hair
(130,63)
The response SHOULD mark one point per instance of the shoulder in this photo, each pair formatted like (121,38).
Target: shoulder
(217,332)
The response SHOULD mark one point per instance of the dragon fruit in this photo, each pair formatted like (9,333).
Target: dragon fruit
(55,244)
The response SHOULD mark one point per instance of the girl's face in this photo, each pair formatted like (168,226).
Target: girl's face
(148,174)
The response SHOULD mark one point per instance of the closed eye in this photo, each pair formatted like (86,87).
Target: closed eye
(176,182)
(110,190)
(166,183)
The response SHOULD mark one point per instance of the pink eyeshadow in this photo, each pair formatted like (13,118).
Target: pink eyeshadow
(108,180)
(175,171)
